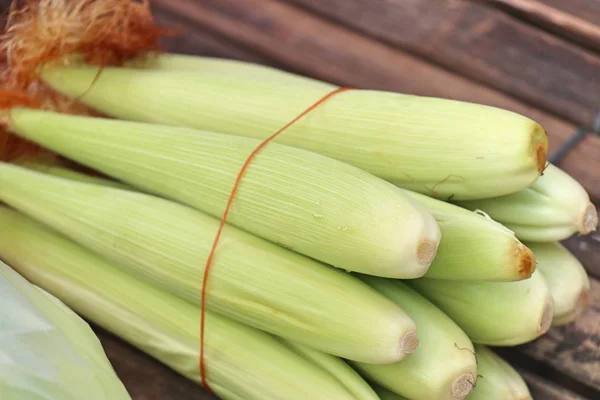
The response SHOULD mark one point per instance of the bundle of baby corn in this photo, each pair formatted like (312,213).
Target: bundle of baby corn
(343,271)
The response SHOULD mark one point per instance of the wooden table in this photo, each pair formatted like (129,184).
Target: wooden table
(541,59)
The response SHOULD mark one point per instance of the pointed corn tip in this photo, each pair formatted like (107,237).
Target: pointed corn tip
(463,386)
(409,343)
(589,219)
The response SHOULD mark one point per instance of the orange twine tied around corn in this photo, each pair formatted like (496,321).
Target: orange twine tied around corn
(230,200)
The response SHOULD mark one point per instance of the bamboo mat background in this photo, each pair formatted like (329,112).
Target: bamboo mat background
(538,58)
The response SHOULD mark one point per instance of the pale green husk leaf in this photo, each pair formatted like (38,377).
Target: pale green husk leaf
(47,352)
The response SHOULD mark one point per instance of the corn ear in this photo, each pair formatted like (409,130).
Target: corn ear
(494,313)
(311,204)
(442,368)
(498,379)
(46,350)
(242,363)
(474,247)
(251,280)
(555,207)
(567,279)
(439,147)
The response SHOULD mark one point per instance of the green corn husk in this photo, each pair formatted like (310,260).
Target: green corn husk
(385,394)
(242,362)
(474,247)
(555,207)
(46,350)
(251,280)
(175,61)
(311,204)
(338,369)
(67,173)
(442,368)
(498,380)
(567,279)
(439,147)
(494,313)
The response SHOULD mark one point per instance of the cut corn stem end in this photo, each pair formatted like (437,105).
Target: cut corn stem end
(526,260)
(541,158)
(589,219)
(540,143)
(427,251)
(409,343)
(463,385)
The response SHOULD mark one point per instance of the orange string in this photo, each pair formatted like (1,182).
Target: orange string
(234,190)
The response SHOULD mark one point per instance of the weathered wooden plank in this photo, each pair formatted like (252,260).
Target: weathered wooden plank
(588,10)
(574,349)
(485,44)
(558,18)
(301,42)
(543,389)
(146,378)
(195,41)
(587,250)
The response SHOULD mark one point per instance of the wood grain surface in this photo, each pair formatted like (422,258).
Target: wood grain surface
(485,44)
(587,249)
(301,42)
(544,389)
(585,10)
(577,20)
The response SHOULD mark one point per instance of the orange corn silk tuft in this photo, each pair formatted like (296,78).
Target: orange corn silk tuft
(101,32)
(37,32)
